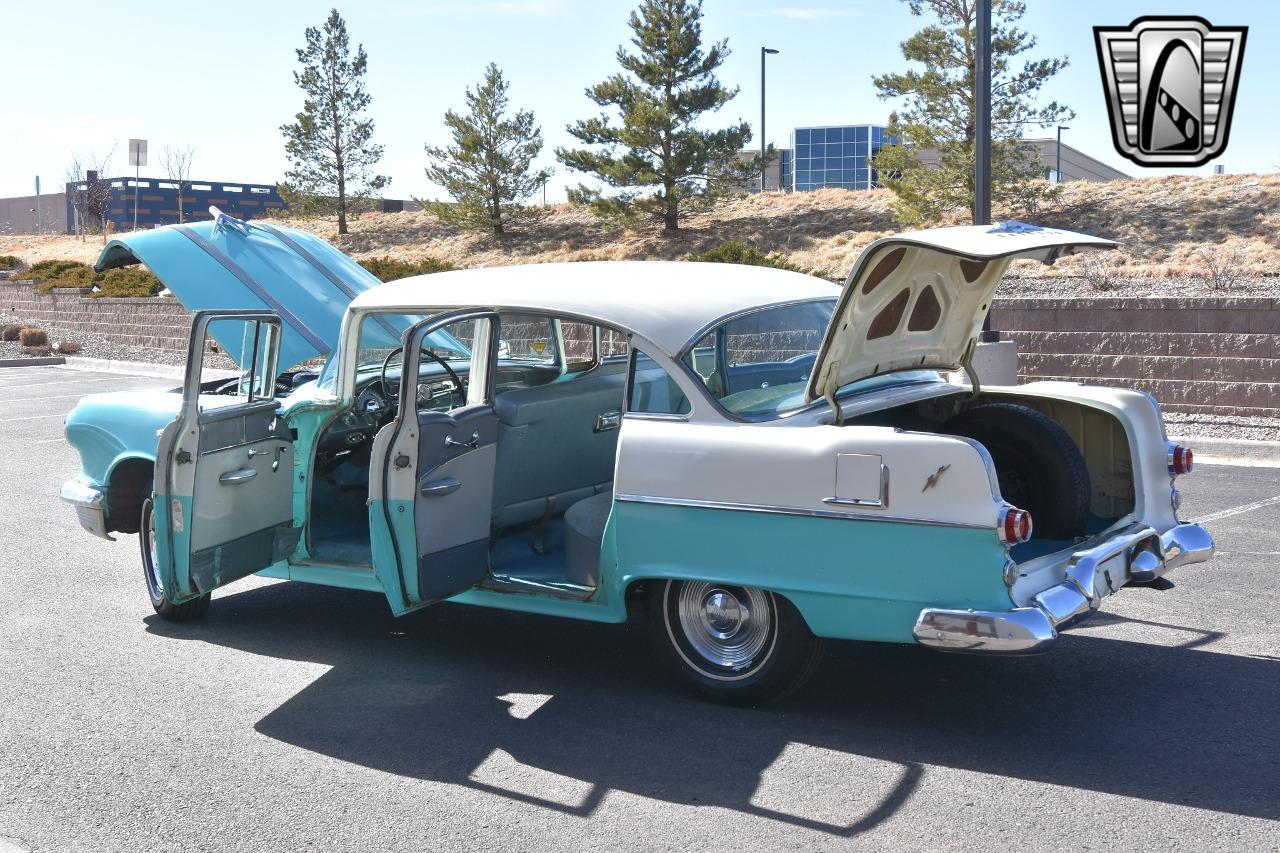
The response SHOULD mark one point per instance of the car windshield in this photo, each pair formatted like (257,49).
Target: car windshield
(381,335)
(758,364)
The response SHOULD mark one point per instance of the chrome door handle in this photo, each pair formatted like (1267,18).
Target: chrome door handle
(472,443)
(240,475)
(608,421)
(441,487)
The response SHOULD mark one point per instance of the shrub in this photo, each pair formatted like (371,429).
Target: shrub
(128,281)
(78,277)
(733,252)
(67,348)
(32,337)
(1098,272)
(1222,267)
(45,270)
(41,350)
(11,332)
(10,262)
(387,268)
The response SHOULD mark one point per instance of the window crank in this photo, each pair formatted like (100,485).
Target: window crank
(450,441)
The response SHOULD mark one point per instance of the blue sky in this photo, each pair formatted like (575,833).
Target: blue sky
(217,75)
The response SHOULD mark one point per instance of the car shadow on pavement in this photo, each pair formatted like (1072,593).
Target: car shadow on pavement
(559,713)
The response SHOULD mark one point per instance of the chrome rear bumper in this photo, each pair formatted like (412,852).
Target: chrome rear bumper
(88,502)
(1137,554)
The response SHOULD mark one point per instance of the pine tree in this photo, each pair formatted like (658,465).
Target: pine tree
(660,162)
(487,169)
(329,144)
(940,112)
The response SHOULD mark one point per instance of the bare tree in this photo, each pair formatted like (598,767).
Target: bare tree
(89,191)
(176,162)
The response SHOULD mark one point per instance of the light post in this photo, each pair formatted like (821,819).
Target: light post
(764,167)
(38,228)
(1057,166)
(982,141)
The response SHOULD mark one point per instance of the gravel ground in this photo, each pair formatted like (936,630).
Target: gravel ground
(1068,287)
(1209,426)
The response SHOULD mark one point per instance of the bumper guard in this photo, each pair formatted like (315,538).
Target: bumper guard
(89,504)
(1136,554)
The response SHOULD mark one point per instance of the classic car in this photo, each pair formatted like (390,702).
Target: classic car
(755,459)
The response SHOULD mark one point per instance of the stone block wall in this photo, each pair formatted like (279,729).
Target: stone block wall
(156,322)
(1218,356)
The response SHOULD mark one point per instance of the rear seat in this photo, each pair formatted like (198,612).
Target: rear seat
(550,454)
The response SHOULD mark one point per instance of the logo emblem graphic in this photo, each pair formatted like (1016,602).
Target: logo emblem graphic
(1170,85)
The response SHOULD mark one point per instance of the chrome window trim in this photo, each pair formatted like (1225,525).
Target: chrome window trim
(755,309)
(788,510)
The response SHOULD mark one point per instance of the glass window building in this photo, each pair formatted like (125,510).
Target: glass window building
(834,157)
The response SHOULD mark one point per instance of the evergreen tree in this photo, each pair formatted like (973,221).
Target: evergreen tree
(662,164)
(329,144)
(487,169)
(940,112)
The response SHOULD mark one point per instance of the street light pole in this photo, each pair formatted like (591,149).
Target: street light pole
(764,167)
(1057,166)
(982,140)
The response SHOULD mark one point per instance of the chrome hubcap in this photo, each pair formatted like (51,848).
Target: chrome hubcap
(728,628)
(153,567)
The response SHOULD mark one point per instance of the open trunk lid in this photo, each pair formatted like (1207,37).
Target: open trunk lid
(917,300)
(228,263)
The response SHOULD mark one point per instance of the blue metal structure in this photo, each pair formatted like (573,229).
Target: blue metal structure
(158,200)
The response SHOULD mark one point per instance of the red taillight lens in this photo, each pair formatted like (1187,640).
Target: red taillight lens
(1015,525)
(1180,460)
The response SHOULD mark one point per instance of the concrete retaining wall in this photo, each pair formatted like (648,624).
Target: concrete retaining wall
(1216,356)
(161,323)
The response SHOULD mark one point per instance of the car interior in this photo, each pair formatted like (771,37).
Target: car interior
(558,398)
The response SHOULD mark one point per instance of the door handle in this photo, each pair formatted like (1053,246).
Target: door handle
(608,421)
(472,443)
(440,488)
(240,475)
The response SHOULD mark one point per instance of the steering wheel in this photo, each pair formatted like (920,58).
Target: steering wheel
(392,393)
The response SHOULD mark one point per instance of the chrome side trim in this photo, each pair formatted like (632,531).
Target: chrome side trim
(1145,555)
(788,510)
(90,506)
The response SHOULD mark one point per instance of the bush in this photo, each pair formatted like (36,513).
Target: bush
(127,282)
(41,350)
(733,252)
(1098,272)
(67,348)
(53,269)
(387,268)
(1222,266)
(31,337)
(10,333)
(10,262)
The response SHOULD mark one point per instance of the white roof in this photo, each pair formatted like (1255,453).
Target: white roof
(667,302)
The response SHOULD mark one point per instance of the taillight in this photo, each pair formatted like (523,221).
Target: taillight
(1014,525)
(1180,461)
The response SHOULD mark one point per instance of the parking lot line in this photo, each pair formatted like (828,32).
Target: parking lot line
(1249,507)
(33,417)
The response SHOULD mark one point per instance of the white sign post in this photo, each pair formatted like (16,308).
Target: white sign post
(137,159)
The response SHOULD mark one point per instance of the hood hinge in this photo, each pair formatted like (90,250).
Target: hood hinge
(966,362)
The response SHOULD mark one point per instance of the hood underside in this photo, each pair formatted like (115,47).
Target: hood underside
(229,264)
(918,299)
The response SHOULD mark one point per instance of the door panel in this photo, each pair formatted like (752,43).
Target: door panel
(225,468)
(451,455)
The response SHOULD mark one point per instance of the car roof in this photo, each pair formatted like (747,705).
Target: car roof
(667,302)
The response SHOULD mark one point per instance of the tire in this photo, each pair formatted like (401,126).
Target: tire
(1039,467)
(188,611)
(731,644)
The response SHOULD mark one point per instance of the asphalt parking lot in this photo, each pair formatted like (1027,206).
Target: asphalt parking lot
(305,718)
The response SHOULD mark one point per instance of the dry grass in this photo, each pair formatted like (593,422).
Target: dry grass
(1162,225)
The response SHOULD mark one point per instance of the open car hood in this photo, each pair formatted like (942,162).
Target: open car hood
(917,300)
(227,263)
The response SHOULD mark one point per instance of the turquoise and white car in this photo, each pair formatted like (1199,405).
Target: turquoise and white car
(755,458)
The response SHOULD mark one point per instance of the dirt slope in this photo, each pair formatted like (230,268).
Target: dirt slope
(1161,223)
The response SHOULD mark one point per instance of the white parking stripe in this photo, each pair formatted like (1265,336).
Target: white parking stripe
(1227,513)
(33,417)
(48,440)
(4,385)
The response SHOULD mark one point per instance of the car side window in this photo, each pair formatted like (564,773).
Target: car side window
(653,391)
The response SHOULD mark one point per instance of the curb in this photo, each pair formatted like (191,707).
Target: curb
(132,368)
(32,362)
(1233,451)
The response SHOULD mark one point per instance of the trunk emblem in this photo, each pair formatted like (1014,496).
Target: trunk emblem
(934,478)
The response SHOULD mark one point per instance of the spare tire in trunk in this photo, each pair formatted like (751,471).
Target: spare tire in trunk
(1039,467)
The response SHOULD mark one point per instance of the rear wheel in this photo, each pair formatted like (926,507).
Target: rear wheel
(154,578)
(733,644)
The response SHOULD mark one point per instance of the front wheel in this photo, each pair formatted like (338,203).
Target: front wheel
(733,644)
(151,574)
